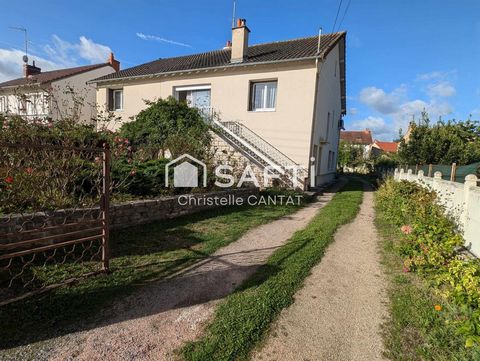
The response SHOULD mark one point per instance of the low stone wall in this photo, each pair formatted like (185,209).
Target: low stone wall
(461,201)
(13,227)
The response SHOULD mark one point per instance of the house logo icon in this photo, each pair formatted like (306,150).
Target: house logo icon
(185,174)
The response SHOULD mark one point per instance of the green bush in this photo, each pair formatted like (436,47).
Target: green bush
(140,179)
(429,246)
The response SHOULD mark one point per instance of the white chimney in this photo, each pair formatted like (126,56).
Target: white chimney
(240,41)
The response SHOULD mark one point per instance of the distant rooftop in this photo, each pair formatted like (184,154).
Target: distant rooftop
(363,137)
(49,76)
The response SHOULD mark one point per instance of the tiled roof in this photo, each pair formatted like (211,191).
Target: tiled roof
(269,52)
(389,147)
(363,137)
(49,76)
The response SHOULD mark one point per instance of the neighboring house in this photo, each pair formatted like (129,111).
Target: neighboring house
(361,138)
(54,94)
(278,103)
(378,147)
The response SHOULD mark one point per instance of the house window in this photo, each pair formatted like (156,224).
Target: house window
(115,101)
(3,105)
(197,96)
(331,160)
(263,96)
(328,125)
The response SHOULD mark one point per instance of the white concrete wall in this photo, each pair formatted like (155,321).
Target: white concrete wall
(461,201)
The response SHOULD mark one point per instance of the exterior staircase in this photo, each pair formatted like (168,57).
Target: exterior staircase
(258,150)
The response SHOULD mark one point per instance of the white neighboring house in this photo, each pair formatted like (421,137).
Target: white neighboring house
(54,94)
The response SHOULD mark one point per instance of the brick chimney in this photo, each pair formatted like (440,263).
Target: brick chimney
(113,62)
(240,41)
(29,70)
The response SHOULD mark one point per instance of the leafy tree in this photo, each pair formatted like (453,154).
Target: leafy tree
(168,124)
(442,143)
(350,155)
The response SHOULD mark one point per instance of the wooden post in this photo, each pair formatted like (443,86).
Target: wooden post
(430,167)
(453,173)
(416,168)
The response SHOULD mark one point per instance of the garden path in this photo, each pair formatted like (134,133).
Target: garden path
(337,315)
(153,323)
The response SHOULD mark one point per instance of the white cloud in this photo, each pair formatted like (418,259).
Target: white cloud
(434,75)
(11,64)
(380,128)
(70,54)
(442,89)
(378,99)
(163,40)
(353,111)
(58,54)
(399,109)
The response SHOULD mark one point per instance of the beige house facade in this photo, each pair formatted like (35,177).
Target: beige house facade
(275,103)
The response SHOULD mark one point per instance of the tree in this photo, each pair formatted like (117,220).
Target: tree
(350,155)
(441,143)
(168,124)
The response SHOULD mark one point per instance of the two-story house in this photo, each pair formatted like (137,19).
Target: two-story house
(279,103)
(54,94)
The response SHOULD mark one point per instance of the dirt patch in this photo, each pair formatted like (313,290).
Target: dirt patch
(338,314)
(151,324)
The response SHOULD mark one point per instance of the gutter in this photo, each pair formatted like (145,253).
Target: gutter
(198,70)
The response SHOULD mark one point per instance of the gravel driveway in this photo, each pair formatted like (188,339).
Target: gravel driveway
(337,315)
(151,324)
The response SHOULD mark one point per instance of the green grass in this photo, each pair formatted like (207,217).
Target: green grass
(244,318)
(140,255)
(415,331)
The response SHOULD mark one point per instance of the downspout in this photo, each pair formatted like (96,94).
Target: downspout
(317,77)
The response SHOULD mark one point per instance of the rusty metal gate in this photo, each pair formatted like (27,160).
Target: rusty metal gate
(54,216)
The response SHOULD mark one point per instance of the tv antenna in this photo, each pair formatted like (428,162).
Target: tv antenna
(233,14)
(18,28)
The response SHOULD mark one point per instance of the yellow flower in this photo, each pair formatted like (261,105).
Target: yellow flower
(438,308)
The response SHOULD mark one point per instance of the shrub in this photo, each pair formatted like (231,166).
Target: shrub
(429,245)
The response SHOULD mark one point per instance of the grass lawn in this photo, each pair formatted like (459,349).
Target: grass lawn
(244,318)
(140,255)
(415,331)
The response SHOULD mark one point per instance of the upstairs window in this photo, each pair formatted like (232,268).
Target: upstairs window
(263,96)
(3,104)
(115,99)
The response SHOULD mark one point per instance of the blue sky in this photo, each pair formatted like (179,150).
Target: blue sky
(402,56)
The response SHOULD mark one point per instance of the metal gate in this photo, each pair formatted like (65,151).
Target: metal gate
(54,216)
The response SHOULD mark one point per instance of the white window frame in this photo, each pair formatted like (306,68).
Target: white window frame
(114,105)
(265,83)
(3,104)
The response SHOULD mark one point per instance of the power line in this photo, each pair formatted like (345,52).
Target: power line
(336,17)
(345,13)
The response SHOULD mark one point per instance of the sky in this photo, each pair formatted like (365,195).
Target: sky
(402,57)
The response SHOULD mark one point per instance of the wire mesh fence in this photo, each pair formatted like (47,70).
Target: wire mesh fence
(54,208)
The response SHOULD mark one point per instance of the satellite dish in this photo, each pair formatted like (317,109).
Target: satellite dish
(25,59)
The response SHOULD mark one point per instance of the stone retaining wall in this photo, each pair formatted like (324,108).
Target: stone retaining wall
(121,215)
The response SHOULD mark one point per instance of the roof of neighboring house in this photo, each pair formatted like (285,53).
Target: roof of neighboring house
(50,76)
(389,147)
(363,137)
(297,49)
